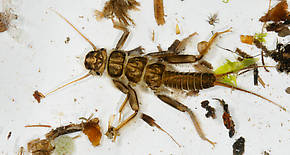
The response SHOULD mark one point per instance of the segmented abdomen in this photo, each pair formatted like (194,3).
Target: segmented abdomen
(188,81)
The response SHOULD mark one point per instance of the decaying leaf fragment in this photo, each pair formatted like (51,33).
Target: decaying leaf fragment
(40,147)
(118,9)
(281,55)
(247,39)
(278,13)
(3,22)
(282,28)
(6,17)
(159,12)
(93,131)
(45,146)
(38,96)
(210,110)
(233,67)
(228,122)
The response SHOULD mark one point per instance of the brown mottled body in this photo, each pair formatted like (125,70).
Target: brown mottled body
(155,74)
(134,68)
(188,81)
(152,69)
(116,63)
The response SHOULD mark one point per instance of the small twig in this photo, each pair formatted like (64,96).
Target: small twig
(38,125)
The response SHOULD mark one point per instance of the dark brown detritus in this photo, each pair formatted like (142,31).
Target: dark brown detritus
(149,120)
(67,40)
(228,122)
(242,54)
(213,19)
(159,12)
(71,128)
(282,28)
(118,9)
(281,55)
(21,151)
(266,153)
(210,110)
(9,135)
(239,146)
(287,90)
(38,96)
(278,13)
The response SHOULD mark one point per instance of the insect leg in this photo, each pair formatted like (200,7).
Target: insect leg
(133,101)
(181,107)
(203,66)
(204,46)
(180,59)
(123,88)
(123,39)
(136,51)
(175,48)
(124,36)
(172,55)
(171,50)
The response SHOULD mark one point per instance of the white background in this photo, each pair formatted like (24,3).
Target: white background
(33,56)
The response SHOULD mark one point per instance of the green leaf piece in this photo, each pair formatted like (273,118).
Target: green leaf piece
(260,37)
(235,66)
(229,79)
(226,1)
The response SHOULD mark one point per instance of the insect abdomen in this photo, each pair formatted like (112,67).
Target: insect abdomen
(153,75)
(188,81)
(134,68)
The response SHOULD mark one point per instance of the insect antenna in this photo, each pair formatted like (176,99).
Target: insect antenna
(61,16)
(243,90)
(38,95)
(83,77)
